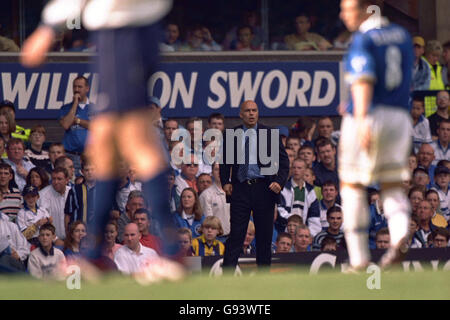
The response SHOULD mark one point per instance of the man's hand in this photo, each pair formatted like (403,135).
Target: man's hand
(228,188)
(35,48)
(15,255)
(275,187)
(21,170)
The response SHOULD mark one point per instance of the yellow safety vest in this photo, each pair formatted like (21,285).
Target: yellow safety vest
(21,133)
(436,83)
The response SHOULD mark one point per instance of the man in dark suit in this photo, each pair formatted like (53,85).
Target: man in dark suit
(253,183)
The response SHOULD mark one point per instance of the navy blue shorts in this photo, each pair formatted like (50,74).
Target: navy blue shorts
(127,57)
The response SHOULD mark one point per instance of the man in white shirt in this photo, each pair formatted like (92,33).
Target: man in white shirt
(20,248)
(133,257)
(53,199)
(16,159)
(441,146)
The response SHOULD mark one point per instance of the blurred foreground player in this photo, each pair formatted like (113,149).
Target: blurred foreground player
(126,35)
(376,128)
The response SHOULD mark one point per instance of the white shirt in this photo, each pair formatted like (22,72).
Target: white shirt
(98,14)
(439,152)
(214,203)
(26,218)
(53,202)
(129,262)
(15,238)
(47,266)
(421,133)
(123,193)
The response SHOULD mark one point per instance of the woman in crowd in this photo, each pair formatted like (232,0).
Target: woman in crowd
(38,177)
(77,232)
(111,246)
(189,214)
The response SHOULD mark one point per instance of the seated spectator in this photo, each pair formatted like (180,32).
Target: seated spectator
(421,69)
(442,180)
(245,37)
(204,181)
(421,126)
(31,217)
(303,39)
(415,196)
(38,177)
(172,37)
(185,241)
(442,103)
(441,145)
(214,203)
(20,248)
(135,201)
(110,245)
(414,240)
(18,131)
(125,186)
(425,213)
(326,169)
(207,244)
(383,239)
(47,261)
(377,220)
(18,162)
(293,222)
(55,151)
(329,193)
(8,45)
(76,232)
(342,41)
(303,239)
(412,162)
(199,39)
(143,221)
(35,153)
(329,244)
(170,125)
(425,158)
(12,200)
(420,178)
(133,257)
(440,238)
(284,243)
(188,175)
(438,219)
(334,219)
(249,246)
(251,19)
(298,198)
(189,214)
(135,183)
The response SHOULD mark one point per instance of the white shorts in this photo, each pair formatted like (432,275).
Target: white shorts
(387,158)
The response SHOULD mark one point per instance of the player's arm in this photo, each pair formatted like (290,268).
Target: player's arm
(362,93)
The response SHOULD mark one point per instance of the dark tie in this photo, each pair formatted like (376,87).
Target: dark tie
(243,168)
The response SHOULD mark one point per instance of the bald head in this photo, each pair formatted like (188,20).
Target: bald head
(249,113)
(131,236)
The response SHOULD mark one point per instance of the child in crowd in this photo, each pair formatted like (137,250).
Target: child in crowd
(293,222)
(30,218)
(47,261)
(207,244)
(185,241)
(248,247)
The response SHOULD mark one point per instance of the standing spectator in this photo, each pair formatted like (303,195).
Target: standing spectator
(330,193)
(111,246)
(440,238)
(142,220)
(326,169)
(284,243)
(38,177)
(421,126)
(303,39)
(214,203)
(47,261)
(207,244)
(298,198)
(135,201)
(170,125)
(443,103)
(75,118)
(32,217)
(11,198)
(55,151)
(172,41)
(35,153)
(441,145)
(125,186)
(334,219)
(432,196)
(204,181)
(303,239)
(76,232)
(383,239)
(421,69)
(53,199)
(189,214)
(132,257)
(187,178)
(185,241)
(18,131)
(442,180)
(433,52)
(18,162)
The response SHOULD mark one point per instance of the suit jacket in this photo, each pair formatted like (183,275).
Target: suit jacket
(228,170)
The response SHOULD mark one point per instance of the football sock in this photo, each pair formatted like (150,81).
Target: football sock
(397,210)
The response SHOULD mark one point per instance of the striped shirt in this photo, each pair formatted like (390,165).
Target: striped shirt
(12,203)
(317,243)
(202,249)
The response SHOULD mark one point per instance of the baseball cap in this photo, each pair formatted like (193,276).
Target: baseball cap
(441,170)
(419,41)
(30,190)
(284,131)
(154,100)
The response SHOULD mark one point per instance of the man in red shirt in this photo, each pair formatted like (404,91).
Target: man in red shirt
(141,218)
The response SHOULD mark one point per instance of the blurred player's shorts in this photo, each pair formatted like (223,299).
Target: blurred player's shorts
(387,158)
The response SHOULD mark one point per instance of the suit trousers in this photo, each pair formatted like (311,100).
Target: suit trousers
(245,199)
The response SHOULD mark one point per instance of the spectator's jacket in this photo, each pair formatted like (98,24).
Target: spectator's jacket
(377,222)
(21,133)
(317,243)
(311,211)
(421,75)
(202,249)
(195,226)
(444,199)
(421,133)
